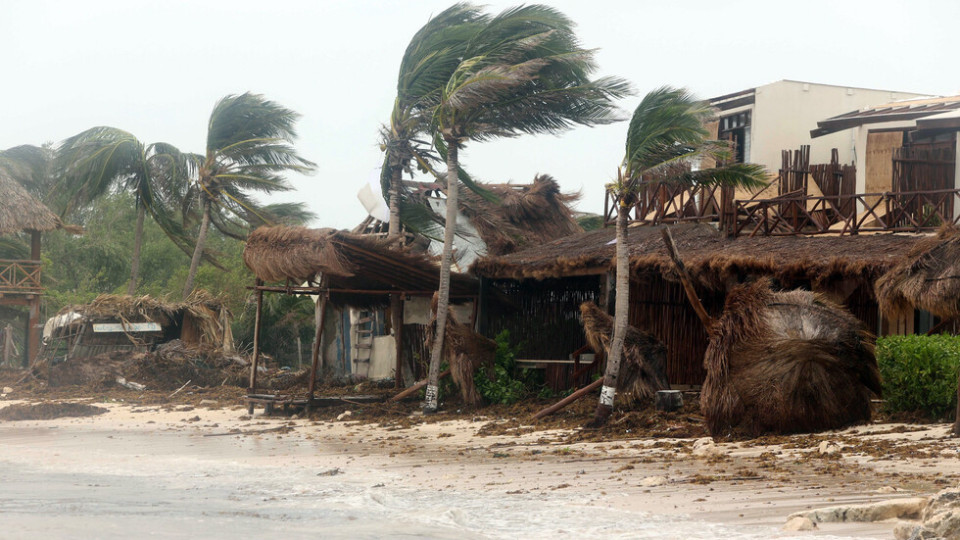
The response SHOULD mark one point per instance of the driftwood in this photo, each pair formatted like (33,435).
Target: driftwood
(569,399)
(177,391)
(416,387)
(130,384)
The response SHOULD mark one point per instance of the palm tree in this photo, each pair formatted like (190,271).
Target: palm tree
(249,147)
(100,159)
(666,133)
(432,55)
(523,71)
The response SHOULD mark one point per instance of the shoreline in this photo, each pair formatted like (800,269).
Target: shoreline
(745,484)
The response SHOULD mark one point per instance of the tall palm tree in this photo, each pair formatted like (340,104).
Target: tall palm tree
(522,72)
(432,55)
(249,148)
(100,159)
(666,132)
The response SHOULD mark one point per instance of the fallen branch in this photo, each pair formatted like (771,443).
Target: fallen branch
(130,384)
(177,391)
(569,399)
(416,387)
(283,429)
(705,318)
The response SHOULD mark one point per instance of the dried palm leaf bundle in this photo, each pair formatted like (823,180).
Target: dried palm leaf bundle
(465,351)
(927,278)
(787,362)
(643,365)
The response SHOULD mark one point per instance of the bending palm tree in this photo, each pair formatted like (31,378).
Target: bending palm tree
(665,133)
(249,147)
(429,60)
(99,159)
(522,72)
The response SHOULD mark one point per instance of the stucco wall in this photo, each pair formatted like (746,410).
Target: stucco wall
(786,111)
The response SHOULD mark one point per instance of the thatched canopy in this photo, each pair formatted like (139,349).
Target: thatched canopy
(787,362)
(21,211)
(927,278)
(348,261)
(712,259)
(201,314)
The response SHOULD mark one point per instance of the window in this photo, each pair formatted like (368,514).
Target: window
(736,128)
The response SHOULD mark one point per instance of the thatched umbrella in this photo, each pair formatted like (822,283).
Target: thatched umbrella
(787,362)
(465,351)
(927,278)
(21,211)
(643,368)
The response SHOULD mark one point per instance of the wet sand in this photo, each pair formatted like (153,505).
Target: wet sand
(219,473)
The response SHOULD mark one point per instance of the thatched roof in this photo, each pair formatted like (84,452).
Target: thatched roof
(21,211)
(133,308)
(927,278)
(349,261)
(526,214)
(713,260)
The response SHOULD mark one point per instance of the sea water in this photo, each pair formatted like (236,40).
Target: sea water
(59,484)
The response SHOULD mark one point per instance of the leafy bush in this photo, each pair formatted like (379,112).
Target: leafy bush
(509,386)
(920,373)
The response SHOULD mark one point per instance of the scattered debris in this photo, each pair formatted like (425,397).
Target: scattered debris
(48,411)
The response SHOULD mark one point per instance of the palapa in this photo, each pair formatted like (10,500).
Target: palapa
(787,362)
(927,278)
(21,211)
(643,367)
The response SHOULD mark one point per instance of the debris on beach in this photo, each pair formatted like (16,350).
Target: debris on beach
(48,411)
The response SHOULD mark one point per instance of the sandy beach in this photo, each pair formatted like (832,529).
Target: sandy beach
(184,471)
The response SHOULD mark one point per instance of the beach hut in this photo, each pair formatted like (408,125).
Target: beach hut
(546,284)
(121,323)
(20,283)
(352,276)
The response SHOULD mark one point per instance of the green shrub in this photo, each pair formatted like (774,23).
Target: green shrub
(509,385)
(920,373)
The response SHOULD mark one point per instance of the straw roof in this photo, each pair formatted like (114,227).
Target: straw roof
(349,261)
(525,215)
(21,211)
(712,259)
(927,278)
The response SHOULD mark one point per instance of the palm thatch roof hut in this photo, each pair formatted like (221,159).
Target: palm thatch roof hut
(21,211)
(927,278)
(137,323)
(787,362)
(553,279)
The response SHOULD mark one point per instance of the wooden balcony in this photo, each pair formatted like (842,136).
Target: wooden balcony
(661,202)
(20,277)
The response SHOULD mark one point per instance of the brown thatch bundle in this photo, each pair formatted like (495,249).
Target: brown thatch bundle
(21,211)
(296,253)
(465,351)
(525,215)
(927,278)
(644,362)
(787,362)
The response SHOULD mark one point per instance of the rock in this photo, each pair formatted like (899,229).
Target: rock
(653,481)
(942,515)
(330,472)
(343,415)
(908,508)
(799,523)
(909,530)
(7,390)
(887,489)
(705,447)
(827,447)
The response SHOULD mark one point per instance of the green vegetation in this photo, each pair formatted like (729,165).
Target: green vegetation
(920,373)
(510,384)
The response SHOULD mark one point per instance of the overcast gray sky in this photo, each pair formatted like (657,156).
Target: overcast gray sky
(156,69)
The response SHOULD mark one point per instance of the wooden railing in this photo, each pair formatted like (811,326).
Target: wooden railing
(20,276)
(913,211)
(660,202)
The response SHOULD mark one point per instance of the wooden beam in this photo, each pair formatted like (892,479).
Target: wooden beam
(318,336)
(396,309)
(257,321)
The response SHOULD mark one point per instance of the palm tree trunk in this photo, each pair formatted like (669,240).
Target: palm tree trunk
(137,243)
(198,251)
(609,390)
(443,302)
(396,176)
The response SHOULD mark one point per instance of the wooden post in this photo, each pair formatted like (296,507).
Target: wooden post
(569,399)
(318,335)
(668,400)
(417,386)
(256,338)
(396,308)
(33,320)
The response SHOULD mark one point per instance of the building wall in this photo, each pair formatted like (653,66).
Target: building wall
(786,111)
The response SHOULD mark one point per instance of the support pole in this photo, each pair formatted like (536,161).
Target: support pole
(256,338)
(396,308)
(33,320)
(315,358)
